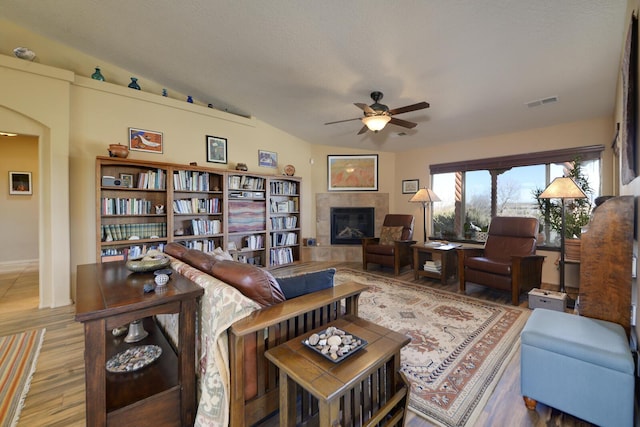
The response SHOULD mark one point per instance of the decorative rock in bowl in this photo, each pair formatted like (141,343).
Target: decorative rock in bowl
(153,260)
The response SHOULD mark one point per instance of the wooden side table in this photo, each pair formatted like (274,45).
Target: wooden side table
(445,253)
(161,394)
(371,374)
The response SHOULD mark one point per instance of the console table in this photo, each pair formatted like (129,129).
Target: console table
(339,385)
(161,394)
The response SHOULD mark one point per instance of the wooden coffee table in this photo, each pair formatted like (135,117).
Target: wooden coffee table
(370,373)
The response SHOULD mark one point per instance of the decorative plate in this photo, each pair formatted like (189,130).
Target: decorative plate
(148,263)
(289,170)
(334,344)
(133,359)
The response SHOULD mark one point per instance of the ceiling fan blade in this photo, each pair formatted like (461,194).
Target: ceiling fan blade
(341,121)
(364,107)
(403,123)
(363,130)
(414,107)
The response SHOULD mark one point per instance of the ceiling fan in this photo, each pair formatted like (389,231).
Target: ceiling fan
(376,115)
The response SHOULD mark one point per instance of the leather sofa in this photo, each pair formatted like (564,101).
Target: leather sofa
(265,319)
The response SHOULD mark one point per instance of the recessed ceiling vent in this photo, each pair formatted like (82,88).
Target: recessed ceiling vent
(539,102)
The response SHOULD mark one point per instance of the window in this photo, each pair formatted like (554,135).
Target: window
(474,192)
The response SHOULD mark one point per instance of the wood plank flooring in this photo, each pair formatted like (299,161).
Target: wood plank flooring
(56,397)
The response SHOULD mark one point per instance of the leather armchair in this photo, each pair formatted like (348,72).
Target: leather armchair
(508,260)
(395,253)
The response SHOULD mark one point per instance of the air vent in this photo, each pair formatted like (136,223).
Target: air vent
(539,102)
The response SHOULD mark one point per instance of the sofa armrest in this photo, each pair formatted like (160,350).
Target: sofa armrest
(275,314)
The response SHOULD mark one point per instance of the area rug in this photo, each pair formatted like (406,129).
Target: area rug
(18,357)
(459,346)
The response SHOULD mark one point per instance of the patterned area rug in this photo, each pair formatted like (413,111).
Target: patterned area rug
(459,345)
(18,357)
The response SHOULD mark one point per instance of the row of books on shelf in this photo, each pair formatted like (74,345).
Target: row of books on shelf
(244,182)
(284,205)
(123,254)
(125,206)
(284,187)
(280,256)
(113,232)
(204,245)
(253,242)
(434,266)
(284,222)
(204,227)
(152,180)
(184,180)
(195,205)
(284,239)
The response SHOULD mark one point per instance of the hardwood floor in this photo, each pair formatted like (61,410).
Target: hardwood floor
(56,396)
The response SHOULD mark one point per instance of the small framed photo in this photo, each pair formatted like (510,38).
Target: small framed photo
(410,186)
(127,180)
(267,159)
(216,149)
(20,183)
(145,140)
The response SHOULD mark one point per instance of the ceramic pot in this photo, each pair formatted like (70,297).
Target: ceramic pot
(241,167)
(118,150)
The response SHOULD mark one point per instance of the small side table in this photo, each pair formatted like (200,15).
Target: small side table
(330,383)
(445,253)
(161,394)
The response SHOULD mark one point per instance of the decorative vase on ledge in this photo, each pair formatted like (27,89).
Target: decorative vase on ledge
(134,83)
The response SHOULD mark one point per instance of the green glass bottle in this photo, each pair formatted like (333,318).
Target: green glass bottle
(97,75)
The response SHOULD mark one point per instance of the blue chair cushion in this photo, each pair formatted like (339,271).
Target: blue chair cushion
(591,340)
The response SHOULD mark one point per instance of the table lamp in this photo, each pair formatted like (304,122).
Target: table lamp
(563,188)
(425,196)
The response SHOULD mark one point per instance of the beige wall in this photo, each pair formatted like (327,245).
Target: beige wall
(18,213)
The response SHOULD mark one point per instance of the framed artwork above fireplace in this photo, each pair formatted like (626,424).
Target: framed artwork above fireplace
(352,172)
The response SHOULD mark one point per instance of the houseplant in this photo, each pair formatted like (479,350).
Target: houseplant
(577,211)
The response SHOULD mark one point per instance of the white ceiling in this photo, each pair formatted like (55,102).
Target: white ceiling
(299,64)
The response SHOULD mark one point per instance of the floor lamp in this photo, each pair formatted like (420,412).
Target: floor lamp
(425,196)
(563,188)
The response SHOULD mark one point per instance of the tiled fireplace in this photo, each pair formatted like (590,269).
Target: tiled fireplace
(325,251)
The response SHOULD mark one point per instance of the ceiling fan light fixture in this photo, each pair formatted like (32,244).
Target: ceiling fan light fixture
(376,123)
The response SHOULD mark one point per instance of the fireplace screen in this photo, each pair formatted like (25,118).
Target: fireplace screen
(349,225)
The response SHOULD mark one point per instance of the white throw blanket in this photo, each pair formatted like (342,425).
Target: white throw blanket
(221,305)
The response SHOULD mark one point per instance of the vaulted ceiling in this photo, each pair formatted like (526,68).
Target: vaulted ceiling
(299,64)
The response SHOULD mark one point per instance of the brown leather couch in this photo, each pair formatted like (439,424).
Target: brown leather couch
(508,260)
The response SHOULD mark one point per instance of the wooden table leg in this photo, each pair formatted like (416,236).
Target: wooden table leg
(287,401)
(95,374)
(329,413)
(416,265)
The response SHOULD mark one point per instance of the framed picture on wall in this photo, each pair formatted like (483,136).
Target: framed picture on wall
(20,183)
(267,159)
(410,186)
(216,149)
(145,140)
(353,172)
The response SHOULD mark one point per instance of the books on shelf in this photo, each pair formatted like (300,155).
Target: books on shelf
(284,206)
(125,206)
(284,222)
(434,266)
(117,232)
(184,180)
(152,180)
(280,256)
(205,226)
(195,205)
(284,188)
(284,239)
(245,182)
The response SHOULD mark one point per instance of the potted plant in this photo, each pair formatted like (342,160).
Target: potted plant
(577,211)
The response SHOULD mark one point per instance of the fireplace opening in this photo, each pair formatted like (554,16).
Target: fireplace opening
(349,225)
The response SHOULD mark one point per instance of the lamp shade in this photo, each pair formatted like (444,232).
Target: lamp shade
(425,195)
(563,188)
(376,123)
